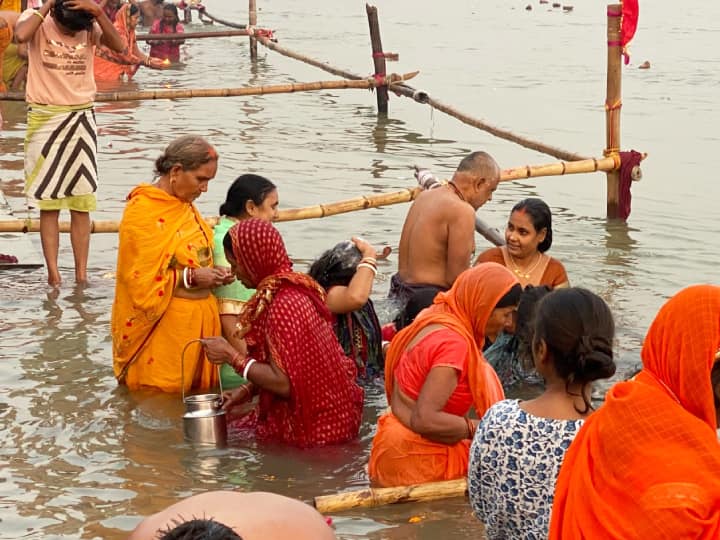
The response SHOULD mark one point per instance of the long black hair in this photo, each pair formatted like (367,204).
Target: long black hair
(541,218)
(246,187)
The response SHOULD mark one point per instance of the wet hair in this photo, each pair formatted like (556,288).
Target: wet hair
(199,529)
(715,381)
(524,323)
(510,298)
(541,218)
(134,9)
(75,20)
(578,329)
(336,266)
(246,187)
(189,151)
(173,8)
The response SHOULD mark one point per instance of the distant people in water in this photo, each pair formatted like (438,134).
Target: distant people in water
(110,7)
(519,445)
(232,515)
(150,11)
(528,236)
(168,24)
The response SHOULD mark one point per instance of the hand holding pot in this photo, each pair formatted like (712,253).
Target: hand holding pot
(218,350)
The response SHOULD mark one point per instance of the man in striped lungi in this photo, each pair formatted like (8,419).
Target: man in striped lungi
(61,140)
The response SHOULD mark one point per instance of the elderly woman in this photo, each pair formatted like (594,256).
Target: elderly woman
(111,65)
(165,275)
(286,348)
(434,374)
(647,463)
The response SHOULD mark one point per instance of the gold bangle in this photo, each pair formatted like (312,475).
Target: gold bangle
(37,12)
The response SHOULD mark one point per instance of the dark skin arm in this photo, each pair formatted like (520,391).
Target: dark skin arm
(461,243)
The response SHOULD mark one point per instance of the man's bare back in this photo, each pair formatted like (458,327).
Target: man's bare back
(150,11)
(438,237)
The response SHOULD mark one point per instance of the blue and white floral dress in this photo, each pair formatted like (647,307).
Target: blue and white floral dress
(514,461)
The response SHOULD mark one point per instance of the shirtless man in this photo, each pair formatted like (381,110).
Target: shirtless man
(150,10)
(251,516)
(438,237)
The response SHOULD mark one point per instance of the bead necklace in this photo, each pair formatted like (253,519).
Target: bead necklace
(525,274)
(457,191)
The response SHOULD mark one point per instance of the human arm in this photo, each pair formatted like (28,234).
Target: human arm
(460,241)
(26,26)
(346,299)
(265,375)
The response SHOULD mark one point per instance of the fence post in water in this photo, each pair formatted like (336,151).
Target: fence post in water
(252,22)
(613,103)
(378,57)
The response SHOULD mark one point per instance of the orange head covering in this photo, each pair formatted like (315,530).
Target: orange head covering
(647,464)
(465,308)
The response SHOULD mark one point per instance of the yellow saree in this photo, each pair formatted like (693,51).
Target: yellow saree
(159,236)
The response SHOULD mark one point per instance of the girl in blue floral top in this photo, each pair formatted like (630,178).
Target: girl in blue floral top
(519,445)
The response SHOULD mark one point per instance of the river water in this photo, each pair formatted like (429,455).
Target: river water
(84,459)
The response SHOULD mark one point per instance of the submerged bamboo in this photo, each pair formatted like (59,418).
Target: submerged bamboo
(183,93)
(357,203)
(371,497)
(613,103)
(423,97)
(221,21)
(191,35)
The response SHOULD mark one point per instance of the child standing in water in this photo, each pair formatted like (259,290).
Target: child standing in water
(519,445)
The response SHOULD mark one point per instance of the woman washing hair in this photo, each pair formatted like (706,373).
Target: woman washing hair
(519,445)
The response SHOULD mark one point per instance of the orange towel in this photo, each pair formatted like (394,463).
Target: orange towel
(647,464)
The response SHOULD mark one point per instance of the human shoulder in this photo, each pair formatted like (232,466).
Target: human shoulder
(500,413)
(444,347)
(555,273)
(491,255)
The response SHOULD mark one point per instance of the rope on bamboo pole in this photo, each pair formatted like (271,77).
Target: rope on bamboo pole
(191,35)
(424,98)
(184,93)
(371,497)
(357,203)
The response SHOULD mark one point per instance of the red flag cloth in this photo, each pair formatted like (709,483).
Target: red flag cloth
(628,160)
(630,11)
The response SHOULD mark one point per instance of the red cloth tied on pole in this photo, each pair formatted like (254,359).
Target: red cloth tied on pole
(630,11)
(628,160)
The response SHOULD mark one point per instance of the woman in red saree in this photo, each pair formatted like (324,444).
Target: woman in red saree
(434,373)
(647,463)
(286,348)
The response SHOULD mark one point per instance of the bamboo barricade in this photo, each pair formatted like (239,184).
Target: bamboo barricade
(613,103)
(192,35)
(222,21)
(371,497)
(381,92)
(357,203)
(233,92)
(252,23)
(424,98)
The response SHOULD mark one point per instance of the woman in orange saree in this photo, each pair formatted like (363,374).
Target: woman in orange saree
(164,275)
(647,463)
(434,373)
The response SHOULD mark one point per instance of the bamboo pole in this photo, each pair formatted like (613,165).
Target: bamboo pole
(223,22)
(423,97)
(191,35)
(613,103)
(252,23)
(183,93)
(371,497)
(356,203)
(378,57)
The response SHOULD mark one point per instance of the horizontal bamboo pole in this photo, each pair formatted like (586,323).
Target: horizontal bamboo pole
(370,497)
(184,93)
(357,203)
(191,35)
(423,97)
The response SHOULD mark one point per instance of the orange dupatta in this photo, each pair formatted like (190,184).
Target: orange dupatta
(647,464)
(465,309)
(109,65)
(158,234)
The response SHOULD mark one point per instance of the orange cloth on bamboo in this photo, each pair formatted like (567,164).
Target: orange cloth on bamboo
(159,236)
(396,457)
(110,65)
(647,463)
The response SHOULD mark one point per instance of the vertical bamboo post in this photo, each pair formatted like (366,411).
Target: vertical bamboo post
(378,58)
(613,102)
(252,22)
